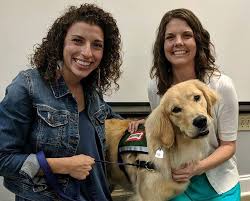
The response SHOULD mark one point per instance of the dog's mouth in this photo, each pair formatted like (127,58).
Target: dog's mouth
(202,133)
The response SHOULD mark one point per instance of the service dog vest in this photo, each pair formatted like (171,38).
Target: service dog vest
(133,142)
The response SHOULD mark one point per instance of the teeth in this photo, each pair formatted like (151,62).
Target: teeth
(84,63)
(179,52)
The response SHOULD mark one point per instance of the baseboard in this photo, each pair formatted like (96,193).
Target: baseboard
(245,185)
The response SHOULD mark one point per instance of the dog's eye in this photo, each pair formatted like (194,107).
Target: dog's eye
(197,98)
(176,110)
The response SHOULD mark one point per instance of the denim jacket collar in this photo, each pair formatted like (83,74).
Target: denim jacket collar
(59,87)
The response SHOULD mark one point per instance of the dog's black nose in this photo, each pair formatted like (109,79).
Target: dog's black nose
(200,121)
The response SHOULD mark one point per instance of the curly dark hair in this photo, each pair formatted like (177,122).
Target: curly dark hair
(204,58)
(50,51)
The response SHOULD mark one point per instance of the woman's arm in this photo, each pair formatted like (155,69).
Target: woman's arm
(77,166)
(15,122)
(224,152)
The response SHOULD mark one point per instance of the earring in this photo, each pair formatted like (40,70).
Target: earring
(99,78)
(59,64)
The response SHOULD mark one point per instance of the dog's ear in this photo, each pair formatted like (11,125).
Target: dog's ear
(159,129)
(210,95)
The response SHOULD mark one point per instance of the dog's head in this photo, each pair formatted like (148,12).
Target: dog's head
(187,107)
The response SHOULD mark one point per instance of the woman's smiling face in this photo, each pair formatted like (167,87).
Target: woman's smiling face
(179,45)
(83,50)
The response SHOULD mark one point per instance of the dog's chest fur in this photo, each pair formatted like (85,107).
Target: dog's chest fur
(187,150)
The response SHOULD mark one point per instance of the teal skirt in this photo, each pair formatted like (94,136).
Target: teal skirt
(201,190)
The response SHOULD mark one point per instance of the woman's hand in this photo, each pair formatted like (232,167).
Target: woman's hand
(186,172)
(133,125)
(80,166)
(224,152)
(77,166)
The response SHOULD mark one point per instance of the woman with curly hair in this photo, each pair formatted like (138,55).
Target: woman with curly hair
(52,116)
(183,51)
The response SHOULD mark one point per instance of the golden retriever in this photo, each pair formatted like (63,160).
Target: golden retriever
(176,133)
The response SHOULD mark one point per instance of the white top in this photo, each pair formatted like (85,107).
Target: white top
(224,127)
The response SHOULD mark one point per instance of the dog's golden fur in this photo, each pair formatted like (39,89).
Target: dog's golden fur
(175,126)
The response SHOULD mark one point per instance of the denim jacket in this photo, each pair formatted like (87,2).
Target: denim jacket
(38,116)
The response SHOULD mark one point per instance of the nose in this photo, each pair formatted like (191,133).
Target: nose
(178,40)
(200,121)
(86,50)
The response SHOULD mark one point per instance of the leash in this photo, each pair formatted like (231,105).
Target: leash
(53,182)
(140,164)
(52,179)
(117,163)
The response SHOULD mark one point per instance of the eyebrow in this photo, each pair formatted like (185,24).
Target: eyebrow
(187,31)
(78,36)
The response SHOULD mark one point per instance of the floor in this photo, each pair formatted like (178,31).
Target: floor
(118,194)
(247,198)
(5,195)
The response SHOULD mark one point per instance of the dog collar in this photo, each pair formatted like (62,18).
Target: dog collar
(145,164)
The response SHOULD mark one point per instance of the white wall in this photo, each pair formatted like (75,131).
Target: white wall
(24,23)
